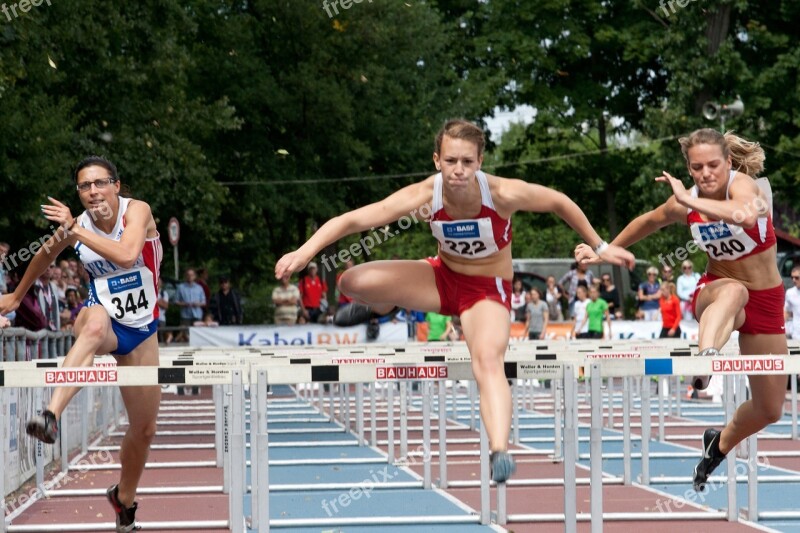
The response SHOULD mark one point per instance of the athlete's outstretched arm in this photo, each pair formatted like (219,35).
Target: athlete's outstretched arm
(123,252)
(401,203)
(521,196)
(640,227)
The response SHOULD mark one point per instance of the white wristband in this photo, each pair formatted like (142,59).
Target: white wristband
(600,248)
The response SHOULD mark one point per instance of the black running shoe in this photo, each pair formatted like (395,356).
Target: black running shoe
(351,315)
(712,457)
(701,382)
(43,427)
(503,466)
(126,516)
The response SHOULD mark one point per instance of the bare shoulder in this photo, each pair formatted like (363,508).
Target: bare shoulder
(744,184)
(139,211)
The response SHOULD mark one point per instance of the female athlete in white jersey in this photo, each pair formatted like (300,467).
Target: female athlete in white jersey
(470,216)
(118,244)
(730,219)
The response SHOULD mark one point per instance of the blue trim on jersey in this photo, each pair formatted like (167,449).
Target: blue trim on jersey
(129,338)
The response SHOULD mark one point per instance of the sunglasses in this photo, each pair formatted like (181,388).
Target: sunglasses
(795,277)
(687,268)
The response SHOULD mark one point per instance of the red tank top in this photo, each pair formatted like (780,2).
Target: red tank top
(729,242)
(473,238)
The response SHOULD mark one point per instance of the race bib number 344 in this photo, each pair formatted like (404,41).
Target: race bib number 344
(128,297)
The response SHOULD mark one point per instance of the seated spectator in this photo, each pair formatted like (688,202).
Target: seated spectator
(70,312)
(226,304)
(685,286)
(670,312)
(438,326)
(286,298)
(609,293)
(649,295)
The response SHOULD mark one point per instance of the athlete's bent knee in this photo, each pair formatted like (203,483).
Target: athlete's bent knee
(94,329)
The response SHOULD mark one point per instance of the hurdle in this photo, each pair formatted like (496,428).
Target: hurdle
(19,375)
(261,369)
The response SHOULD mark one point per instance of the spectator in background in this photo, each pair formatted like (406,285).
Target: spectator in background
(666,274)
(29,314)
(191,298)
(596,311)
(670,311)
(227,304)
(71,310)
(518,302)
(163,305)
(207,322)
(577,275)
(648,296)
(609,293)
(791,307)
(312,289)
(537,315)
(438,326)
(286,298)
(59,285)
(580,327)
(202,280)
(685,286)
(4,249)
(47,294)
(553,296)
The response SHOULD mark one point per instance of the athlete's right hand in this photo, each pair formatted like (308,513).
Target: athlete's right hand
(8,303)
(586,256)
(290,263)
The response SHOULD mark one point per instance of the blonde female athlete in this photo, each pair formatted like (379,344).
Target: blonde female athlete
(730,218)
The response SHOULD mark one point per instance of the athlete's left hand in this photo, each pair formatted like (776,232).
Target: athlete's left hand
(4,322)
(678,189)
(57,212)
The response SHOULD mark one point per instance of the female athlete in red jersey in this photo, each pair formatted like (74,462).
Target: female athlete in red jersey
(729,214)
(470,216)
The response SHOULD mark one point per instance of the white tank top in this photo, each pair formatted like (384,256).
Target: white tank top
(128,295)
